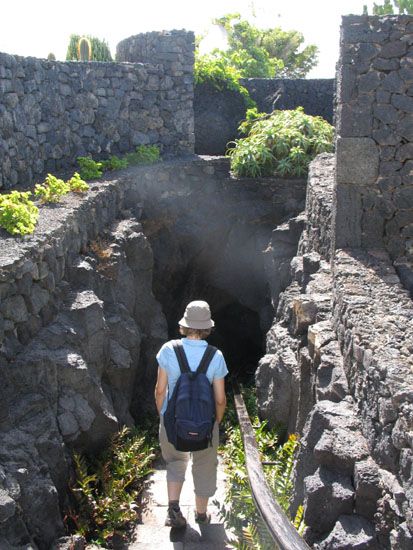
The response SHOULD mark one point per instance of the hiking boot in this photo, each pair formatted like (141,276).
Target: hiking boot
(202,519)
(175,518)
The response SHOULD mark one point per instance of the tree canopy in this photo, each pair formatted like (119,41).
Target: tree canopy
(389,6)
(263,53)
(100,49)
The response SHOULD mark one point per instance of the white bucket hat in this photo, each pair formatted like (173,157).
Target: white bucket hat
(197,315)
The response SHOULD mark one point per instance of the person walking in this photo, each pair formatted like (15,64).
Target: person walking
(195,326)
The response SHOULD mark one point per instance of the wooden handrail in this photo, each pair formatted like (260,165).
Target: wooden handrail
(278,524)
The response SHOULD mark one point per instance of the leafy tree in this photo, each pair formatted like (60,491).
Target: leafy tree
(100,49)
(264,53)
(388,7)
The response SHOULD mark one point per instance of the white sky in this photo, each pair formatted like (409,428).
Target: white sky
(37,27)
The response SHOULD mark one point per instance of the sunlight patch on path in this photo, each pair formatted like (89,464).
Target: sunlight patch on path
(152,533)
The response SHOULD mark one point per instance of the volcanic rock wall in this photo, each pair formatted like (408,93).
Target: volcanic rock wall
(374,145)
(218,113)
(339,367)
(52,112)
(79,324)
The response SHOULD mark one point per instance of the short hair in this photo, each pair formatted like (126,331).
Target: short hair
(201,333)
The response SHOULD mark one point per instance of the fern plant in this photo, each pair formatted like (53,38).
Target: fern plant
(238,509)
(107,488)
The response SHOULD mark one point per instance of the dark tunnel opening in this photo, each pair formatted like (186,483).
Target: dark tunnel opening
(238,331)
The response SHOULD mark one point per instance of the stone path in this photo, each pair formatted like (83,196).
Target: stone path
(152,533)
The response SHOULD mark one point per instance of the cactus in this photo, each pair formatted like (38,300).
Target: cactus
(84,49)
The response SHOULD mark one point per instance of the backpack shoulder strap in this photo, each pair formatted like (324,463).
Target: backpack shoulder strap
(180,355)
(206,359)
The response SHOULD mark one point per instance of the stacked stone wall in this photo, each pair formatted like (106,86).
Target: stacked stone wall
(338,370)
(374,138)
(315,95)
(218,113)
(52,112)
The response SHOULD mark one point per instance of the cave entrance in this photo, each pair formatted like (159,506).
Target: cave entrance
(239,329)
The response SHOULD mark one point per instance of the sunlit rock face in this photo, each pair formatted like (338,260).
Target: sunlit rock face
(82,314)
(338,371)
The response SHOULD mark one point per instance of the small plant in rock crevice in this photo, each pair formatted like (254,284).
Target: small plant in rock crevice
(77,184)
(89,169)
(115,163)
(103,252)
(144,154)
(52,189)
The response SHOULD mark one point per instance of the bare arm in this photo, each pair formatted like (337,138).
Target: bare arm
(220,398)
(160,388)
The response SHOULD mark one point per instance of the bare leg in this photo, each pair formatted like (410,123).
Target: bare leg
(201,504)
(174,490)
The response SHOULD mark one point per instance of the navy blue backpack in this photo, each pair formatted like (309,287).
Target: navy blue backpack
(190,414)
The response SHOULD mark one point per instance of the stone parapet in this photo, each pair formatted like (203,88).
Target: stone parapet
(52,112)
(374,191)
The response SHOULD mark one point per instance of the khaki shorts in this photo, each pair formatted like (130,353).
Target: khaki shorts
(204,463)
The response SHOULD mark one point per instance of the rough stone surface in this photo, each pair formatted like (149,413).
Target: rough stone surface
(77,357)
(315,95)
(319,206)
(357,161)
(351,532)
(53,112)
(374,135)
(347,387)
(218,113)
(328,496)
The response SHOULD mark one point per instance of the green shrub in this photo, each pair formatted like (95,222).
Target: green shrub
(221,75)
(52,189)
(76,184)
(280,144)
(89,168)
(115,163)
(107,489)
(144,154)
(239,510)
(18,214)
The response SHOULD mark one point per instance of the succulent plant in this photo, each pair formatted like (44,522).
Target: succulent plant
(84,49)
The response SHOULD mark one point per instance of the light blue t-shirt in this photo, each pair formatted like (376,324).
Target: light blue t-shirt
(194,350)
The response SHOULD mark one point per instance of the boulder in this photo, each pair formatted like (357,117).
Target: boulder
(351,532)
(327,495)
(340,449)
(368,489)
